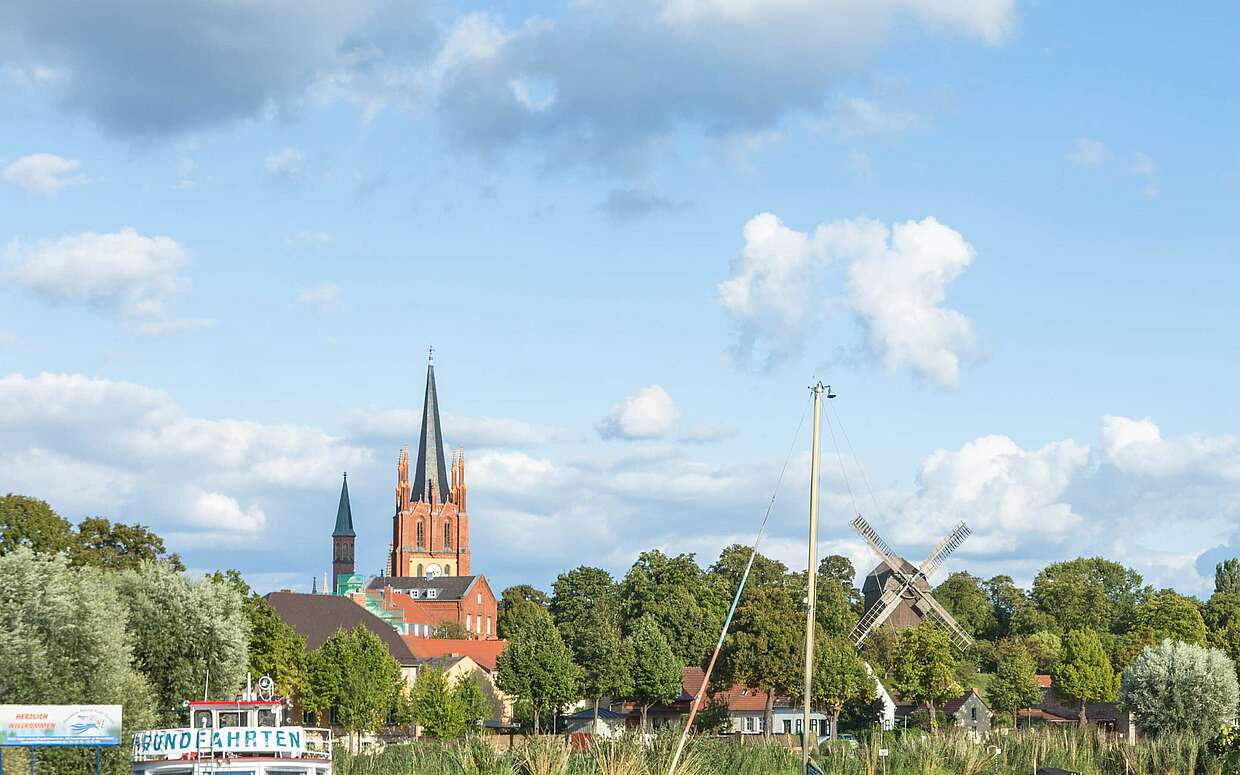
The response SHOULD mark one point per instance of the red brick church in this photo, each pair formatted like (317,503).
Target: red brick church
(427,577)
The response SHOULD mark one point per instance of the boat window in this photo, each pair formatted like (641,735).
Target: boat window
(234,719)
(202,719)
(266,717)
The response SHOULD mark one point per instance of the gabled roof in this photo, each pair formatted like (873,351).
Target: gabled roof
(449,588)
(953,705)
(344,514)
(430,463)
(484,652)
(738,698)
(317,617)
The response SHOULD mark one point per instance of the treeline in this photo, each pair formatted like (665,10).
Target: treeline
(1085,621)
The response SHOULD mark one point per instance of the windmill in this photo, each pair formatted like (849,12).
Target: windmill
(899,591)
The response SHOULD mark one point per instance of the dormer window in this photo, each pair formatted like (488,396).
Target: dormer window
(415,593)
(431,594)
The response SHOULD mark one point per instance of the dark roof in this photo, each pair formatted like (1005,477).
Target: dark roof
(430,443)
(603,713)
(317,617)
(951,707)
(344,514)
(450,587)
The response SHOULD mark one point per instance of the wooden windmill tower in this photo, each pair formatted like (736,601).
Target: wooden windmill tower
(899,592)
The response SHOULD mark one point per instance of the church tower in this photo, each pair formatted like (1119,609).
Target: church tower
(430,532)
(343,538)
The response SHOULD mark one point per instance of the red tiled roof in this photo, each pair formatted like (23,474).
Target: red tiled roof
(1045,681)
(738,698)
(484,652)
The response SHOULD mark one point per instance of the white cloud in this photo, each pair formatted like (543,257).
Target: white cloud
(1138,447)
(853,117)
(897,282)
(321,296)
(123,269)
(647,414)
(43,173)
(1143,165)
(288,164)
(216,512)
(1089,153)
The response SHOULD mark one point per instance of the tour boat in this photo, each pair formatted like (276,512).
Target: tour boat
(234,737)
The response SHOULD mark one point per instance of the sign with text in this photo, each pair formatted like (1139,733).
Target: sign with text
(30,725)
(175,743)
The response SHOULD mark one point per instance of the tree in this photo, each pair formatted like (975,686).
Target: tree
(451,630)
(606,666)
(1222,618)
(187,635)
(436,706)
(1014,685)
(676,593)
(518,605)
(924,667)
(354,680)
(968,601)
(1006,599)
(64,640)
(839,602)
(840,677)
(276,648)
(579,598)
(1089,593)
(1227,577)
(765,649)
(114,546)
(1181,688)
(1046,648)
(31,523)
(1084,672)
(537,667)
(472,700)
(1168,614)
(657,673)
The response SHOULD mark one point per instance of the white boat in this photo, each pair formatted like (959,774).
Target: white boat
(234,737)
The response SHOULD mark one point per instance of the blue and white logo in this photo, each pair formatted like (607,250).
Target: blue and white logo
(87,723)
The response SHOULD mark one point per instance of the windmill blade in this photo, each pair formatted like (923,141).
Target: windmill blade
(875,617)
(960,639)
(944,550)
(878,545)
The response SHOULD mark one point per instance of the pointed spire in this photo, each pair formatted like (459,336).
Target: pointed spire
(314,585)
(344,514)
(430,464)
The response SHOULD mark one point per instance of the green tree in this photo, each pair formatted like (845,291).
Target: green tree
(537,667)
(838,605)
(451,630)
(517,606)
(32,523)
(184,633)
(436,706)
(1083,673)
(354,680)
(114,546)
(676,593)
(1089,593)
(840,677)
(1014,685)
(606,666)
(276,648)
(1168,614)
(472,698)
(581,597)
(64,640)
(1046,648)
(765,650)
(1227,577)
(1181,688)
(1222,618)
(924,668)
(1006,600)
(967,599)
(726,573)
(657,673)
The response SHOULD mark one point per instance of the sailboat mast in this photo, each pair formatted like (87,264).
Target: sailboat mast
(811,587)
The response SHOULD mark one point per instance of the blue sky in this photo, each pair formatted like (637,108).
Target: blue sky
(634,234)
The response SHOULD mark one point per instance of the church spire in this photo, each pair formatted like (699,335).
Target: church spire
(430,465)
(344,514)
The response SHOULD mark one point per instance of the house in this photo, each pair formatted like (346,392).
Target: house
(457,667)
(427,602)
(484,652)
(610,723)
(968,711)
(1117,723)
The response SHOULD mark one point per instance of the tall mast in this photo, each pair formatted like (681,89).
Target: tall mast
(807,735)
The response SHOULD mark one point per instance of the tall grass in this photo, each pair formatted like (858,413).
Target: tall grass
(910,753)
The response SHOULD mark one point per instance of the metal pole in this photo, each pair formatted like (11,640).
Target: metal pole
(98,756)
(811,588)
(32,760)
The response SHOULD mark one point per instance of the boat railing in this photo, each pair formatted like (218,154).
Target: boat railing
(190,744)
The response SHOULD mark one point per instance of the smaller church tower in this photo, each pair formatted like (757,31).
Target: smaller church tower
(343,538)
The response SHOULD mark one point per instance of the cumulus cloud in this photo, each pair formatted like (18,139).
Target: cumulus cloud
(43,173)
(649,413)
(124,270)
(1089,153)
(897,280)
(1138,446)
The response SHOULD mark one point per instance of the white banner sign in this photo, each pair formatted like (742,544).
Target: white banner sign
(28,725)
(173,743)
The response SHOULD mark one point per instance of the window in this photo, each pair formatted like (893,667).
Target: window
(749,723)
(234,719)
(787,726)
(419,570)
(478,625)
(488,625)
(266,717)
(202,719)
(800,726)
(469,622)
(431,594)
(421,537)
(479,598)
(973,713)
(447,570)
(761,724)
(447,535)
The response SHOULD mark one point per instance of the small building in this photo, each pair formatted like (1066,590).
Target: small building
(968,711)
(425,603)
(317,617)
(1114,721)
(610,723)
